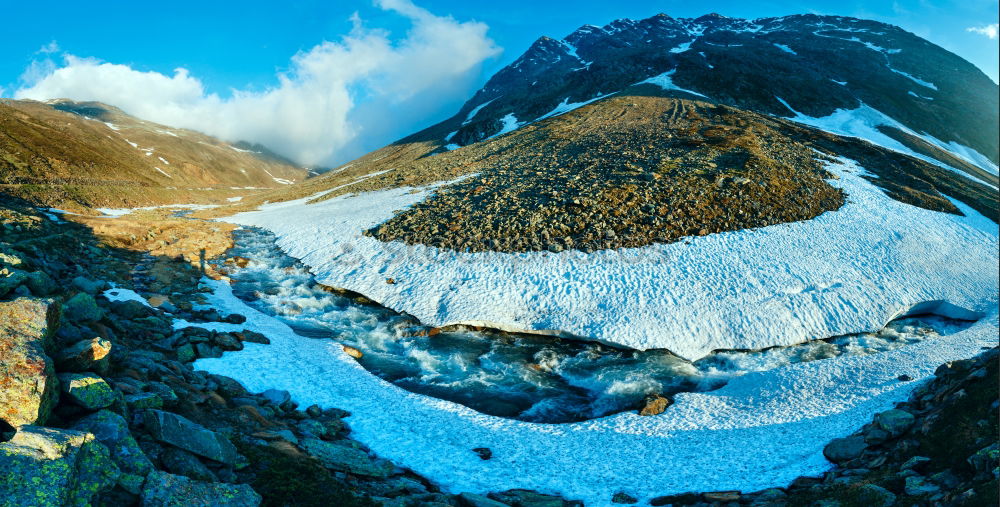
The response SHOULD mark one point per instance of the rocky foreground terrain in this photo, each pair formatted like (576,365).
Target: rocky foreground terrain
(101,406)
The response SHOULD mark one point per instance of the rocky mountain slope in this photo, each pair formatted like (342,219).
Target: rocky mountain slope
(810,64)
(62,152)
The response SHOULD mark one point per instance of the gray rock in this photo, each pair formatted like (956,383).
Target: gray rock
(915,463)
(52,467)
(844,449)
(87,390)
(474,500)
(624,498)
(181,462)
(112,430)
(894,421)
(917,486)
(276,396)
(89,286)
(167,490)
(40,283)
(228,342)
(175,430)
(164,391)
(253,337)
(346,459)
(143,401)
(876,436)
(312,428)
(527,498)
(985,459)
(10,280)
(30,386)
(185,353)
(131,309)
(82,308)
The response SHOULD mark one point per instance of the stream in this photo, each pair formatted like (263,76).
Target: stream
(526,377)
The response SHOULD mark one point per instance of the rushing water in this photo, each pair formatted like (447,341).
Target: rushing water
(527,377)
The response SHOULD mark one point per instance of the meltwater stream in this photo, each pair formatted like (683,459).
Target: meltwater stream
(526,377)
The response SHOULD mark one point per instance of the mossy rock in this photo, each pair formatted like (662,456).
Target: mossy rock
(52,467)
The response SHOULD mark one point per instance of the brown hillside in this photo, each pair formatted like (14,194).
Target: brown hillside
(90,154)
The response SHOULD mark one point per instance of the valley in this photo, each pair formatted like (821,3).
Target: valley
(666,261)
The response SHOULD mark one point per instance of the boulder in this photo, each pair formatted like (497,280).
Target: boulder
(84,355)
(527,498)
(82,308)
(28,384)
(87,390)
(10,280)
(276,396)
(228,342)
(87,285)
(168,490)
(131,309)
(917,486)
(53,467)
(175,430)
(840,450)
(112,430)
(895,421)
(143,401)
(40,283)
(474,500)
(252,337)
(876,496)
(180,462)
(623,498)
(346,459)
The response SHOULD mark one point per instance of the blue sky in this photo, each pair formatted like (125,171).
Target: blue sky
(226,46)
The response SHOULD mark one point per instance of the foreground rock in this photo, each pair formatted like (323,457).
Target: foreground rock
(28,385)
(52,467)
(175,430)
(168,490)
(112,430)
(87,390)
(342,457)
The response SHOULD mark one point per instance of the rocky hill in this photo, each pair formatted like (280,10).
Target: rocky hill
(64,153)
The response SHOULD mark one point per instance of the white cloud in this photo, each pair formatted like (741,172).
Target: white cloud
(51,47)
(338,99)
(989,31)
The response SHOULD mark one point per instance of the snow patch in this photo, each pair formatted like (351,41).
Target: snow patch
(784,48)
(863,122)
(666,82)
(915,79)
(748,289)
(118,294)
(682,47)
(566,106)
(510,124)
(475,111)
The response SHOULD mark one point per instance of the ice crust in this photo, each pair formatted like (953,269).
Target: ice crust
(846,271)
